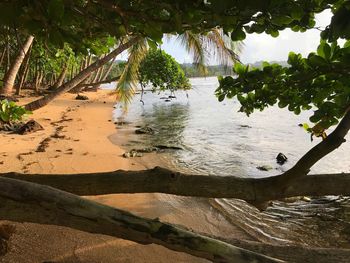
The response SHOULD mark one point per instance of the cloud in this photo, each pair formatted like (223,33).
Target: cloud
(264,47)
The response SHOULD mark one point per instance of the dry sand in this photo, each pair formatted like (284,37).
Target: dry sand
(76,139)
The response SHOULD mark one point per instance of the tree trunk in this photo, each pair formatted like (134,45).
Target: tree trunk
(10,76)
(96,79)
(105,76)
(160,180)
(8,55)
(2,56)
(27,202)
(24,74)
(79,78)
(61,77)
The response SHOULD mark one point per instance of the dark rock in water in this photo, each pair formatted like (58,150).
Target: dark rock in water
(29,127)
(81,97)
(281,158)
(167,100)
(122,123)
(264,168)
(145,130)
(245,126)
(132,153)
(147,150)
(165,147)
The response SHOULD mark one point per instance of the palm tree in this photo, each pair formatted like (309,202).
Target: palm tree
(201,46)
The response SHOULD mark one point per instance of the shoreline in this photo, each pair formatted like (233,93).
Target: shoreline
(76,139)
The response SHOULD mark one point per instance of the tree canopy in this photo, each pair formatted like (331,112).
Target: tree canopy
(82,23)
(162,71)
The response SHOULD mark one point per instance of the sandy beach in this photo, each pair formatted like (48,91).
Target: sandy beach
(75,139)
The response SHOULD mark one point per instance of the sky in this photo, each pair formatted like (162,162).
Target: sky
(259,47)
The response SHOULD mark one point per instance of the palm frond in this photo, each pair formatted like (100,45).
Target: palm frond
(127,83)
(221,47)
(193,44)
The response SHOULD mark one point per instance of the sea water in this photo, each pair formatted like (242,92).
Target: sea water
(216,139)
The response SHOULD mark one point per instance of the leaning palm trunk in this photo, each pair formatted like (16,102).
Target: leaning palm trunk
(10,76)
(79,78)
(25,69)
(61,77)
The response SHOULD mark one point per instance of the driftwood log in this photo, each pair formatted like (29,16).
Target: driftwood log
(27,202)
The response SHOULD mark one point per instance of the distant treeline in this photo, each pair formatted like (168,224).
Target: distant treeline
(192,71)
(216,70)
(219,70)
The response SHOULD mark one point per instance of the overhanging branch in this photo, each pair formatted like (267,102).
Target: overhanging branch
(160,180)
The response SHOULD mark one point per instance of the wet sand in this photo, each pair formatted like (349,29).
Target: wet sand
(75,139)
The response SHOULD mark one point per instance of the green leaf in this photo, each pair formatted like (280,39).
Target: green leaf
(239,68)
(306,126)
(221,97)
(315,60)
(324,50)
(281,20)
(238,35)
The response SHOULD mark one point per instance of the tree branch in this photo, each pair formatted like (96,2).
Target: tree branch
(23,201)
(160,180)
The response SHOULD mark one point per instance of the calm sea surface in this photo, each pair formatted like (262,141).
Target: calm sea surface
(218,140)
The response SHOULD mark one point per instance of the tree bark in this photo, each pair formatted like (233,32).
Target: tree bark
(79,78)
(2,56)
(24,74)
(27,202)
(161,180)
(61,77)
(10,76)
(105,76)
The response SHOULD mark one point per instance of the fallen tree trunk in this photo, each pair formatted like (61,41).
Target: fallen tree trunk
(160,180)
(27,202)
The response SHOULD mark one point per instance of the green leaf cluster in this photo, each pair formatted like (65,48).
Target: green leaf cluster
(162,71)
(10,112)
(320,82)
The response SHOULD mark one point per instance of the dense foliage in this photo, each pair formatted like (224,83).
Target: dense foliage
(162,71)
(321,82)
(82,23)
